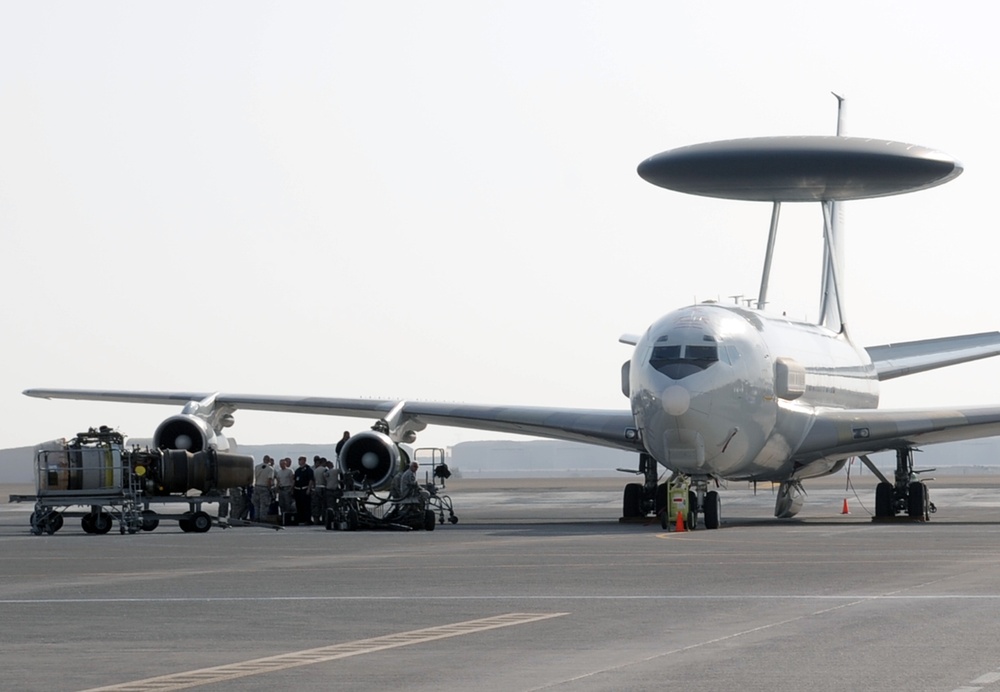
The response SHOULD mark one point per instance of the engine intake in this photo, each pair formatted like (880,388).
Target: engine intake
(372,458)
(184,432)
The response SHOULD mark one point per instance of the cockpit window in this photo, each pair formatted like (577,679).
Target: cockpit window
(677,361)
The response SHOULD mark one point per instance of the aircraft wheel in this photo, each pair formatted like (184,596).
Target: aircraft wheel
(692,516)
(632,501)
(713,510)
(662,497)
(883,500)
(149,520)
(200,522)
(102,523)
(917,501)
(430,521)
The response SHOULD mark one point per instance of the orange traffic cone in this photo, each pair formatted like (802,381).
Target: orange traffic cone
(680,528)
(845,510)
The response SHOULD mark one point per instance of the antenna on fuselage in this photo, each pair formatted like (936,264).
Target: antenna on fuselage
(831,297)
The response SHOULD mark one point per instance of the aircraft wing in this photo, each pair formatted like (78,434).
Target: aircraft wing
(896,360)
(593,426)
(865,431)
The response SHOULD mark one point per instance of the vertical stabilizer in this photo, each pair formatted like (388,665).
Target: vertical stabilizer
(831,305)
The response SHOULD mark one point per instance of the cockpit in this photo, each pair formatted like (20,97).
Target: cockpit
(678,356)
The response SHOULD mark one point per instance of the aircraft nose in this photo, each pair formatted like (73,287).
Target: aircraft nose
(676,400)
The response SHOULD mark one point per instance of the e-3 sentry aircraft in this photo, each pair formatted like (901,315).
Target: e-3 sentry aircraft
(717,392)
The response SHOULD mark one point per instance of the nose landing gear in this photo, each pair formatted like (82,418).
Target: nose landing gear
(639,500)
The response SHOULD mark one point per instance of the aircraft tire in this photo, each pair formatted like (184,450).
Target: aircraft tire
(917,501)
(632,501)
(883,500)
(713,510)
(692,517)
(662,497)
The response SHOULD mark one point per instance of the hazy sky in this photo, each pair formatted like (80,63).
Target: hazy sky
(438,200)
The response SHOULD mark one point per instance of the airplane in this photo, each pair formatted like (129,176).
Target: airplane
(717,392)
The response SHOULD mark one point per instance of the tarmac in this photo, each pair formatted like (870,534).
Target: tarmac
(538,587)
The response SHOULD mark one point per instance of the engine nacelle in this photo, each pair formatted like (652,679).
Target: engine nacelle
(189,433)
(789,500)
(181,471)
(373,459)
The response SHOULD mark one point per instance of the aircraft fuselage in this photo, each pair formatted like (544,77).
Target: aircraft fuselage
(729,392)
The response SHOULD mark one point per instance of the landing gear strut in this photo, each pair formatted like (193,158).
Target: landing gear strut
(639,499)
(906,495)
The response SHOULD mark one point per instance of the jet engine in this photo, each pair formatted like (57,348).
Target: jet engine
(789,500)
(180,471)
(186,432)
(372,458)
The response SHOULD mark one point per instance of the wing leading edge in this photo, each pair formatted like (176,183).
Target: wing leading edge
(842,433)
(607,428)
(897,360)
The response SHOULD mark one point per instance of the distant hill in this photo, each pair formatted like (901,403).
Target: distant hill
(550,458)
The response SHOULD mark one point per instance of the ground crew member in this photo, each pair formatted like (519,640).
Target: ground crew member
(285,479)
(409,488)
(236,503)
(263,482)
(340,443)
(320,473)
(303,492)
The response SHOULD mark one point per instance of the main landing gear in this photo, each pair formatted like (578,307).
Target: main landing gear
(650,497)
(907,495)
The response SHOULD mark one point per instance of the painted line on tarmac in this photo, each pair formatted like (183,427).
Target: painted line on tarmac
(262,666)
(522,597)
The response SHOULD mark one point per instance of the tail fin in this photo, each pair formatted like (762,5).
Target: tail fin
(831,305)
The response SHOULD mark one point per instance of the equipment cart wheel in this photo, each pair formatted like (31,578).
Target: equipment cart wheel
(101,522)
(87,523)
(200,522)
(453,519)
(149,520)
(429,520)
(185,524)
(352,519)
